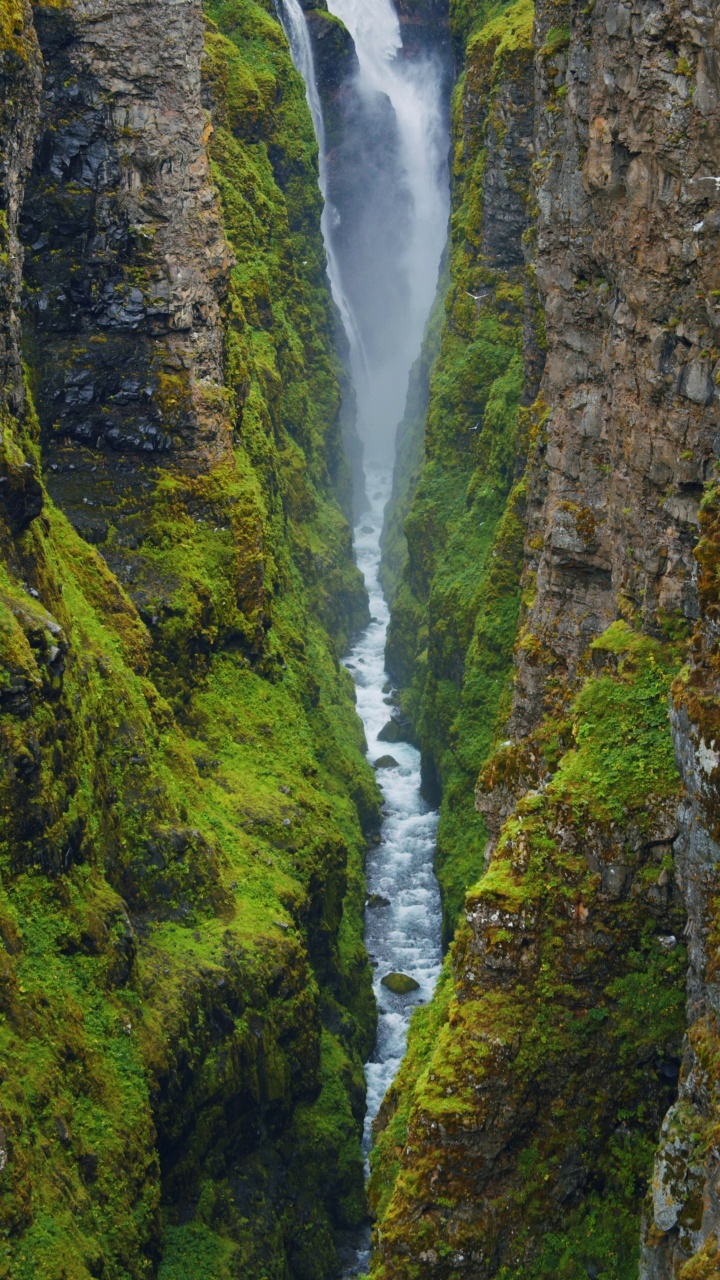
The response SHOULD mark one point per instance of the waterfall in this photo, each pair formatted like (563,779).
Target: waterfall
(385,228)
(296,29)
(399,211)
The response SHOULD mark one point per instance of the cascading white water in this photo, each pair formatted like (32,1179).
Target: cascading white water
(403,920)
(383,273)
(296,30)
(414,89)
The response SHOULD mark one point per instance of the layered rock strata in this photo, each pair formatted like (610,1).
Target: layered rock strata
(626,138)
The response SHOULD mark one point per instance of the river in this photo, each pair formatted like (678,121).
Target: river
(404,935)
(383,257)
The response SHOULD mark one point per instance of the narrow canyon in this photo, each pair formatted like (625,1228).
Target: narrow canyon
(360,640)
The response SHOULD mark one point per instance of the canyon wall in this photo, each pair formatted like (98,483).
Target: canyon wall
(521,1136)
(185,1000)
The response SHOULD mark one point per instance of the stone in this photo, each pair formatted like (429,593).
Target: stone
(401,984)
(385,762)
(89,1163)
(377,900)
(62,1131)
(391,732)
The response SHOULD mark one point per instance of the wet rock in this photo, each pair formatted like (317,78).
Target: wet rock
(335,57)
(62,1131)
(391,732)
(386,762)
(377,900)
(401,984)
(15,697)
(89,1163)
(21,496)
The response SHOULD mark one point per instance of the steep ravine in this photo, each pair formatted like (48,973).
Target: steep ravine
(562,464)
(187,807)
(185,996)
(402,919)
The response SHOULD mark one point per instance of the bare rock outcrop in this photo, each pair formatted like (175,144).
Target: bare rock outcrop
(20,492)
(627,254)
(126,263)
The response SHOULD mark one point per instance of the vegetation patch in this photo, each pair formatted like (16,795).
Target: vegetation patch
(568,966)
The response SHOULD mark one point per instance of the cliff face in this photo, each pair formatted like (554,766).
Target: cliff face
(625,263)
(519,1136)
(454,574)
(184,993)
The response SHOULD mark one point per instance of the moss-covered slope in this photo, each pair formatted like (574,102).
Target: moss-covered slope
(525,1115)
(518,1138)
(185,996)
(455,590)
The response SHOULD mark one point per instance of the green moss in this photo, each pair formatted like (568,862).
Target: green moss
(185,999)
(409,452)
(195,1251)
(455,589)
(557,980)
(622,728)
(557,39)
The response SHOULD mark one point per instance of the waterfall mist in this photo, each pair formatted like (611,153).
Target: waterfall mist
(390,183)
(386,193)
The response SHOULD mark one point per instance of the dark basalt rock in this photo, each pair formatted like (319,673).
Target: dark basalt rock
(391,732)
(386,762)
(21,496)
(335,57)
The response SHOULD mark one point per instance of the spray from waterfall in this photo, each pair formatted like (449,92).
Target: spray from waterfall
(385,220)
(296,30)
(396,223)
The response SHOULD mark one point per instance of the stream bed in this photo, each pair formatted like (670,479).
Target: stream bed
(403,928)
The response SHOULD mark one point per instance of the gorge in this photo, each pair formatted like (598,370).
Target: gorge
(233,257)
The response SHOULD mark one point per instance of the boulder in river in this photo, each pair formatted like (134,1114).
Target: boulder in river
(376,900)
(400,983)
(386,762)
(391,732)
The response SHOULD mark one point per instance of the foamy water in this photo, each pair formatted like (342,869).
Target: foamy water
(404,936)
(417,197)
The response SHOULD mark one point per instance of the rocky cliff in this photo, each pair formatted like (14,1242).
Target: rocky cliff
(185,999)
(519,1137)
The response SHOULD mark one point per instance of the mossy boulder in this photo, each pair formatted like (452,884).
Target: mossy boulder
(401,984)
(391,732)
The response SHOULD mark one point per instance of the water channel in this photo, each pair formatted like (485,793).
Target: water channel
(383,270)
(403,927)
